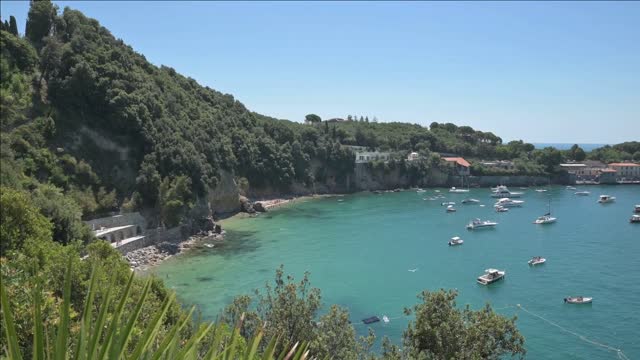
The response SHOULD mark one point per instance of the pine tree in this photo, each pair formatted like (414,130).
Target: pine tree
(361,118)
(366,119)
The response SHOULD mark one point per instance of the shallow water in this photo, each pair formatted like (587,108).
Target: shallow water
(359,251)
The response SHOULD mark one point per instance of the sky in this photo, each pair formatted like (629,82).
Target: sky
(538,71)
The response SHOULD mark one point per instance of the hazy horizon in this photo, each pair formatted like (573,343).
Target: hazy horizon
(541,72)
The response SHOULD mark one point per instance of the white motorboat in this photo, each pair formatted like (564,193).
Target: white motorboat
(635,219)
(537,260)
(385,318)
(421,190)
(541,190)
(578,300)
(501,209)
(458,191)
(604,199)
(571,188)
(470,201)
(451,209)
(506,202)
(503,192)
(480,224)
(636,209)
(447,203)
(490,276)
(546,218)
(582,193)
(456,241)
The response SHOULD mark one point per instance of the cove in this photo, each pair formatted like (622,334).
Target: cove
(359,248)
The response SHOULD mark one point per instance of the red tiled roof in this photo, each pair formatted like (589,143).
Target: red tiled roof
(623,164)
(458,160)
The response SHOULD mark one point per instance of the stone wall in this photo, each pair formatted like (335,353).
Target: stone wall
(487,181)
(133,218)
(156,236)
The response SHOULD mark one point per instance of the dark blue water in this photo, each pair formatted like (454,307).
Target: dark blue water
(567,146)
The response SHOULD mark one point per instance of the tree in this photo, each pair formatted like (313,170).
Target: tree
(312,119)
(442,331)
(20,221)
(40,20)
(579,155)
(13,26)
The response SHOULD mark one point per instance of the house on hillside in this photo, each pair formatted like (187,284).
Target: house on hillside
(499,164)
(463,168)
(413,156)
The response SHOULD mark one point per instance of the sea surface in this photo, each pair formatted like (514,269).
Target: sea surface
(359,248)
(567,146)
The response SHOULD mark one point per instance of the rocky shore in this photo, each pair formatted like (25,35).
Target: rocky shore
(147,257)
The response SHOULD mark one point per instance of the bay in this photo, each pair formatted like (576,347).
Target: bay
(359,248)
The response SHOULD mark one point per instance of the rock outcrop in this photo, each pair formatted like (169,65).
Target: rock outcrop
(259,207)
(225,197)
(246,205)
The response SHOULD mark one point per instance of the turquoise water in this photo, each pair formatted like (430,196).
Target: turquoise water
(359,250)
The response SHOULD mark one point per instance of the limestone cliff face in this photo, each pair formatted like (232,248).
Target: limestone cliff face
(225,197)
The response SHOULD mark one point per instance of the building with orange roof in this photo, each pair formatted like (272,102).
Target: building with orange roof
(462,166)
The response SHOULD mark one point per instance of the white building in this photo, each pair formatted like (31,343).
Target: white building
(368,156)
(413,156)
(626,170)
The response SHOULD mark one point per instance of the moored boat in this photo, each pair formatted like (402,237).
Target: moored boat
(458,191)
(571,188)
(635,219)
(470,201)
(541,190)
(506,202)
(503,192)
(450,209)
(604,199)
(447,203)
(481,224)
(545,219)
(636,209)
(490,276)
(582,193)
(578,300)
(501,209)
(537,260)
(456,241)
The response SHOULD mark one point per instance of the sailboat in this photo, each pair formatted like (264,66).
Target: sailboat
(458,190)
(546,218)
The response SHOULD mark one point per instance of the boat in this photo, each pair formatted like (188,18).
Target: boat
(371,320)
(421,190)
(458,191)
(582,193)
(635,219)
(578,300)
(503,192)
(506,202)
(537,260)
(501,209)
(470,201)
(447,203)
(490,276)
(546,218)
(456,241)
(604,199)
(450,209)
(480,224)
(636,209)
(571,188)
(541,190)
(385,318)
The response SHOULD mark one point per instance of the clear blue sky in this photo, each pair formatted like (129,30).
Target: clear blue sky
(540,71)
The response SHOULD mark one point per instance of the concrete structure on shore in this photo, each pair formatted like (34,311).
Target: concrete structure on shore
(128,232)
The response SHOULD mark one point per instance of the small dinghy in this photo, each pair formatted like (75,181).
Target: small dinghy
(385,318)
(582,193)
(447,203)
(456,241)
(470,201)
(371,320)
(578,300)
(451,209)
(501,209)
(537,260)
(541,190)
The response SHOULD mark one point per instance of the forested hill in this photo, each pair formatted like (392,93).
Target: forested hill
(86,116)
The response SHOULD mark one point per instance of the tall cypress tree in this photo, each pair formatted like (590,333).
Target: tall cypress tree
(13,25)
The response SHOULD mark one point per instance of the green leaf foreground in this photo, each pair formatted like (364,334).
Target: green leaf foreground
(91,344)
